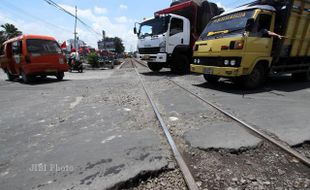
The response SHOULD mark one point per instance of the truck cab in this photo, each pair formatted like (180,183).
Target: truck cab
(237,44)
(159,38)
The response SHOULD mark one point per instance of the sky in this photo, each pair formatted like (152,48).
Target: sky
(116,17)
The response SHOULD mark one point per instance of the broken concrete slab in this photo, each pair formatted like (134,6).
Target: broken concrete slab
(221,135)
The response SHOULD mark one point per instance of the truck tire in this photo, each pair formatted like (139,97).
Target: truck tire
(155,67)
(179,64)
(60,76)
(256,78)
(301,77)
(212,79)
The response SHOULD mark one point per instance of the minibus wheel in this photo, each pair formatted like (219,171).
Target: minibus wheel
(10,76)
(43,76)
(60,76)
(26,78)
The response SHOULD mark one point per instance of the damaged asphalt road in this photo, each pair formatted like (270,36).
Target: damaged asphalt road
(91,131)
(97,130)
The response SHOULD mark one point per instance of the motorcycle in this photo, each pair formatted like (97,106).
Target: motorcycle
(75,65)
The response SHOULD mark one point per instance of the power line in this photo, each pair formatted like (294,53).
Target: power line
(23,12)
(52,3)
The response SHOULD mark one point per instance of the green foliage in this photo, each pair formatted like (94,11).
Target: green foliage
(8,31)
(119,47)
(93,59)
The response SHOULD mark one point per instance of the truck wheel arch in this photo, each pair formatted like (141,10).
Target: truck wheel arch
(265,62)
(182,49)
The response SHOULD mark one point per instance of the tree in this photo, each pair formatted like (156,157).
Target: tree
(119,47)
(8,31)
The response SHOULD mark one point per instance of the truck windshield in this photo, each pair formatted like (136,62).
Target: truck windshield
(39,46)
(156,26)
(227,24)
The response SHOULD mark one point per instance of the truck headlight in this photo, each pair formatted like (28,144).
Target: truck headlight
(162,46)
(233,62)
(226,62)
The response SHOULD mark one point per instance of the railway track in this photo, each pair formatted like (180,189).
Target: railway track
(188,177)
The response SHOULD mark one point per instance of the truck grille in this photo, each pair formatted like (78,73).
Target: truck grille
(216,61)
(149,50)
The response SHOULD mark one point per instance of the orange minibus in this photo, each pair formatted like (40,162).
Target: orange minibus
(29,56)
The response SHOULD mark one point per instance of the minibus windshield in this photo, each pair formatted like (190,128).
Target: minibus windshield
(40,46)
(226,24)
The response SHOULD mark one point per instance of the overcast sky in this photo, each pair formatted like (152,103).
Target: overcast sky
(116,17)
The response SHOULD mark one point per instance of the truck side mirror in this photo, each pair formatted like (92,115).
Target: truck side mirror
(135,30)
(249,24)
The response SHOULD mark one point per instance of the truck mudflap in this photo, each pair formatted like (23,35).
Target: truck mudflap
(219,71)
(159,57)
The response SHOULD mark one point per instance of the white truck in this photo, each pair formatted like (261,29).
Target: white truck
(166,40)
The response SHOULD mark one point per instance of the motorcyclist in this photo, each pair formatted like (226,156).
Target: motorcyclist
(74,55)
(74,61)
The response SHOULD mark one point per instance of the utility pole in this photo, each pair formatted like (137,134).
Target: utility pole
(75,33)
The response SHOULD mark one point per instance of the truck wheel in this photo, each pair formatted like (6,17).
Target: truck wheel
(180,64)
(211,78)
(154,66)
(301,77)
(256,78)
(60,76)
(10,76)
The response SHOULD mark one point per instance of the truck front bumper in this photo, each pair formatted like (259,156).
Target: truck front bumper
(219,71)
(159,57)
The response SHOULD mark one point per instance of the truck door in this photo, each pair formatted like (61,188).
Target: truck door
(259,42)
(177,34)
(17,56)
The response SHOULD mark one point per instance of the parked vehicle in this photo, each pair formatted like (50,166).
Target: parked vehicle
(32,55)
(167,39)
(75,65)
(235,45)
(107,62)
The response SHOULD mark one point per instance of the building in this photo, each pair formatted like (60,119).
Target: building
(107,44)
(70,44)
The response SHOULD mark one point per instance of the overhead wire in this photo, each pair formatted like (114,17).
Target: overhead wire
(20,11)
(54,4)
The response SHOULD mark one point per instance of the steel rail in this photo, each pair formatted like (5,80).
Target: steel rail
(263,135)
(138,61)
(121,65)
(188,177)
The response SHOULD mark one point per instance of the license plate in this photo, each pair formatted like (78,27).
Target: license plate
(208,71)
(146,57)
